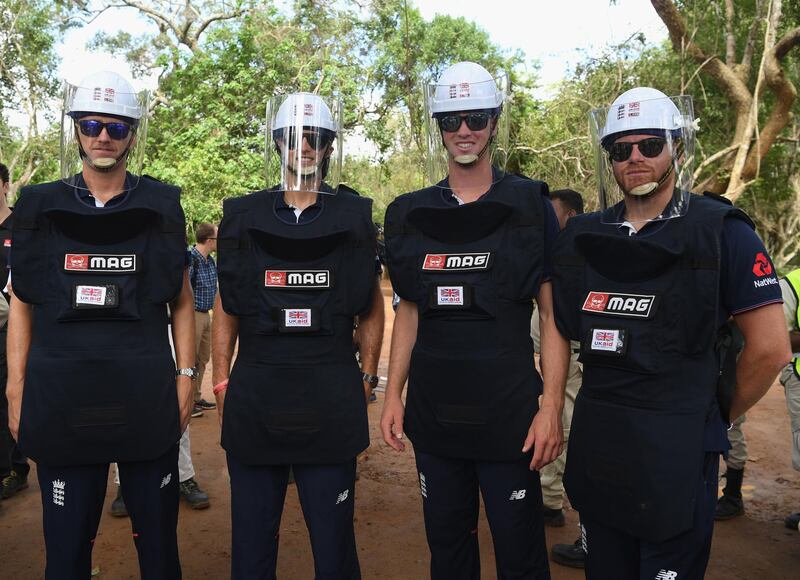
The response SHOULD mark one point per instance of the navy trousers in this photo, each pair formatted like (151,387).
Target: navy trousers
(72,503)
(512,497)
(615,555)
(327,496)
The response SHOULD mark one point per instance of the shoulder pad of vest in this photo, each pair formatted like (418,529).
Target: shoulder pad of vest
(517,179)
(518,175)
(346,189)
(349,200)
(582,221)
(717,197)
(402,202)
(720,205)
(242,203)
(50,186)
(152,182)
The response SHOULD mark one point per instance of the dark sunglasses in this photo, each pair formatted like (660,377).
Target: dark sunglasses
(475,122)
(651,147)
(116,130)
(317,140)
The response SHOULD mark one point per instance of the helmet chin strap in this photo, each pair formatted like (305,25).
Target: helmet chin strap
(649,187)
(470,159)
(305,170)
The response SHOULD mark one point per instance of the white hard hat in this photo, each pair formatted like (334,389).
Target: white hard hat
(465,86)
(105,93)
(641,109)
(304,110)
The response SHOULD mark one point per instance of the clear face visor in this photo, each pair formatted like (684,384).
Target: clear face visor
(102,140)
(466,123)
(644,159)
(304,143)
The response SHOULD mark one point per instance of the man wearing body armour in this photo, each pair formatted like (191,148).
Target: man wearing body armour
(14,466)
(296,265)
(790,376)
(466,257)
(646,285)
(97,258)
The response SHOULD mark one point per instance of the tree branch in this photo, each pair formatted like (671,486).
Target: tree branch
(220,16)
(730,38)
(787,43)
(549,147)
(736,91)
(750,44)
(154,15)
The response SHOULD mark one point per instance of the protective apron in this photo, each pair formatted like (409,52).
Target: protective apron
(295,393)
(100,377)
(646,311)
(472,270)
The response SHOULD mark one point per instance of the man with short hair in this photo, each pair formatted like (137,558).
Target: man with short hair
(203,277)
(99,257)
(14,465)
(296,267)
(467,255)
(567,203)
(647,286)
(790,376)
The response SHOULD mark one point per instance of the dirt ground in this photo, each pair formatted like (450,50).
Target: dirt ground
(389,529)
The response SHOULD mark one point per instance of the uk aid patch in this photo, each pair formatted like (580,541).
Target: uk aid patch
(450,296)
(297,318)
(607,341)
(95,296)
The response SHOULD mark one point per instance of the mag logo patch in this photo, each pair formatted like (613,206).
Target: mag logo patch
(616,304)
(297,279)
(456,262)
(106,263)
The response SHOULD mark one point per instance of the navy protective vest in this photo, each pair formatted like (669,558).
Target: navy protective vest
(472,270)
(100,376)
(295,393)
(646,312)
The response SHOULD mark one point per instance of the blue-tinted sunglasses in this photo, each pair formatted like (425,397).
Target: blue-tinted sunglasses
(116,130)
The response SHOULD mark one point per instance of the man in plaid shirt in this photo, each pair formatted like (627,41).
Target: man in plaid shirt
(203,277)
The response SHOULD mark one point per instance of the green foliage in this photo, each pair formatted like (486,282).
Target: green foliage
(29,30)
(207,128)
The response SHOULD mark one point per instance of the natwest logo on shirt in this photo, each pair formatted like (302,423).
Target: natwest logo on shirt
(456,262)
(762,266)
(297,279)
(617,304)
(100,263)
